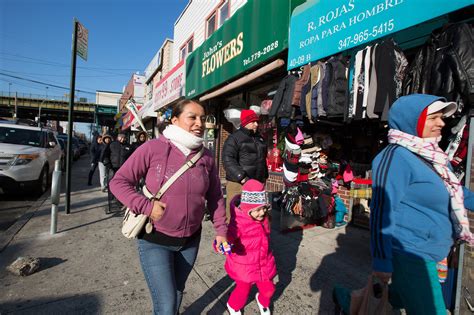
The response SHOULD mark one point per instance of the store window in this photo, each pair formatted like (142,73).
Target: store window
(223,12)
(211,24)
(217,17)
(186,48)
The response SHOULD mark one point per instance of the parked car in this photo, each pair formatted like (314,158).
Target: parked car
(76,152)
(27,156)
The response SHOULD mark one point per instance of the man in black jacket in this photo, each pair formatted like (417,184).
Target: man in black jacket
(116,153)
(244,155)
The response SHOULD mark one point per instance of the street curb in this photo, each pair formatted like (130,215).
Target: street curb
(9,234)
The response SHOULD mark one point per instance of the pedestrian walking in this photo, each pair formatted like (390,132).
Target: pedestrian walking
(95,152)
(103,170)
(418,209)
(168,252)
(142,137)
(244,155)
(251,261)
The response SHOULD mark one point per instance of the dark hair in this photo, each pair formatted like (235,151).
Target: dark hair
(178,108)
(162,127)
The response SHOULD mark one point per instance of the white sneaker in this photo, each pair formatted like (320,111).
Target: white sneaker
(232,311)
(263,310)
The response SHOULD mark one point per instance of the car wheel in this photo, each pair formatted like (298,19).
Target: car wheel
(43,181)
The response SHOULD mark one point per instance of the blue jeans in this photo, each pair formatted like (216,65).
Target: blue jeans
(166,270)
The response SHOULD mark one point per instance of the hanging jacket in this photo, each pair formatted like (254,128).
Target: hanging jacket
(372,85)
(252,259)
(317,92)
(305,91)
(337,91)
(417,78)
(302,81)
(281,103)
(390,64)
(452,73)
(359,106)
(244,155)
(315,77)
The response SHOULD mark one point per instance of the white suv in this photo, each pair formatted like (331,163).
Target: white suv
(27,155)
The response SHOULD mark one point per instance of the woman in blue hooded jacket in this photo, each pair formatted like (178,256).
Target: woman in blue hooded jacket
(418,207)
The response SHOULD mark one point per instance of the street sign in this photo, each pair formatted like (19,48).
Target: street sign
(82,38)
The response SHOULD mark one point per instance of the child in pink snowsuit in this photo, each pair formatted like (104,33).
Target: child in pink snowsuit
(251,261)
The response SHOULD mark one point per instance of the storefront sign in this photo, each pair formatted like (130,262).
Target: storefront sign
(321,28)
(138,80)
(129,119)
(255,33)
(170,88)
(152,66)
(147,110)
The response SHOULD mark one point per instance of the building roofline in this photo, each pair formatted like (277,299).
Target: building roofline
(160,67)
(182,12)
(108,92)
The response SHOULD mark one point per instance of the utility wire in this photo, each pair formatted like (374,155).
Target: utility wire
(66,75)
(57,65)
(39,82)
(51,63)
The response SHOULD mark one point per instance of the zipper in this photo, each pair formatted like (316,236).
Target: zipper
(260,260)
(256,146)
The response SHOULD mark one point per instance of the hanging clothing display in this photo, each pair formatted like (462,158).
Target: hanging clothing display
(379,71)
(444,65)
(289,94)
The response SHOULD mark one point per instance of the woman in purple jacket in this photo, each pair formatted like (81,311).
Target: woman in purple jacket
(167,254)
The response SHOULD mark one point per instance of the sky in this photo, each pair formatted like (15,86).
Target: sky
(36,41)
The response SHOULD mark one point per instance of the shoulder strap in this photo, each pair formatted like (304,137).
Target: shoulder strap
(183,169)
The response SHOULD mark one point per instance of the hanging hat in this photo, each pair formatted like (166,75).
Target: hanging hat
(299,137)
(247,116)
(253,195)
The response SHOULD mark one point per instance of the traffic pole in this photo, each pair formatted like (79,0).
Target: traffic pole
(70,118)
(55,195)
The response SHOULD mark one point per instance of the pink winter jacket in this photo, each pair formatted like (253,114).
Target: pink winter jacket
(251,259)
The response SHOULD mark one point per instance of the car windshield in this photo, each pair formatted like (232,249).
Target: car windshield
(20,136)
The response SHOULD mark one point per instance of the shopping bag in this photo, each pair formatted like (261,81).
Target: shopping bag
(371,300)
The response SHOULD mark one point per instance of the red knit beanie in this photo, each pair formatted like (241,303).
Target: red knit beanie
(247,116)
(253,195)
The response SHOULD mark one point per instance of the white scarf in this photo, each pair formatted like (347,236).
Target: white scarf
(183,140)
(428,149)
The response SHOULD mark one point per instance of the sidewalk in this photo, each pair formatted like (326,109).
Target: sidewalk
(89,267)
